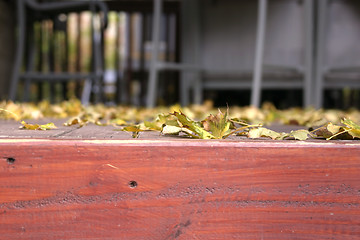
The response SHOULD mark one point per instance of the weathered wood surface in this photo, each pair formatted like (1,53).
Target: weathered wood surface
(178,189)
(10,129)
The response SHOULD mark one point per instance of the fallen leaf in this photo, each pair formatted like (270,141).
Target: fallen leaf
(75,121)
(218,125)
(352,128)
(134,129)
(193,126)
(47,126)
(263,132)
(171,130)
(301,135)
(332,131)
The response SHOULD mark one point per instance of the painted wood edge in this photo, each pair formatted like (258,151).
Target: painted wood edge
(189,143)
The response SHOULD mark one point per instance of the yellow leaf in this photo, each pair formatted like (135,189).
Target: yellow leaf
(134,129)
(193,126)
(350,124)
(218,125)
(76,120)
(352,128)
(263,132)
(47,126)
(301,134)
(119,122)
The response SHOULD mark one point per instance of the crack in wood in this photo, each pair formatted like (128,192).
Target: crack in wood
(63,133)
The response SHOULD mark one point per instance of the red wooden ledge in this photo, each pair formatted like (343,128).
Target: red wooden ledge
(180,189)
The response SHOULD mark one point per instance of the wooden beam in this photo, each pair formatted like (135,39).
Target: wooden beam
(142,189)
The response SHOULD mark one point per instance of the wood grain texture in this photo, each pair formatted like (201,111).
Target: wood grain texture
(141,189)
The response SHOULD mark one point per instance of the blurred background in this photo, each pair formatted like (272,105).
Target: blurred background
(309,52)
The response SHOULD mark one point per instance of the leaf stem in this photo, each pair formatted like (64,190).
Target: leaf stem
(339,133)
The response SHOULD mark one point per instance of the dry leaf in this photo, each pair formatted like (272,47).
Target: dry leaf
(47,126)
(218,125)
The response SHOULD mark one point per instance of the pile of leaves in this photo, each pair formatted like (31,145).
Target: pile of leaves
(196,121)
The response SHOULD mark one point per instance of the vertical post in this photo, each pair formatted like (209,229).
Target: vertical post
(197,87)
(142,57)
(191,51)
(19,49)
(78,53)
(7,37)
(259,54)
(119,87)
(30,64)
(65,58)
(41,59)
(309,48)
(50,28)
(186,48)
(320,46)
(152,83)
(97,52)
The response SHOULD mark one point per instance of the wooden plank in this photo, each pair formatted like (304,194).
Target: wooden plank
(180,189)
(10,129)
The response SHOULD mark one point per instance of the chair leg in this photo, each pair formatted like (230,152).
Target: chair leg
(30,67)
(99,61)
(198,89)
(191,54)
(191,80)
(19,50)
(86,92)
(309,48)
(320,47)
(259,54)
(30,64)
(51,56)
(153,74)
(184,88)
(196,21)
(65,59)
(95,82)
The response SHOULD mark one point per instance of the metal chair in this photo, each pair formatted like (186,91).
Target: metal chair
(193,69)
(29,11)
